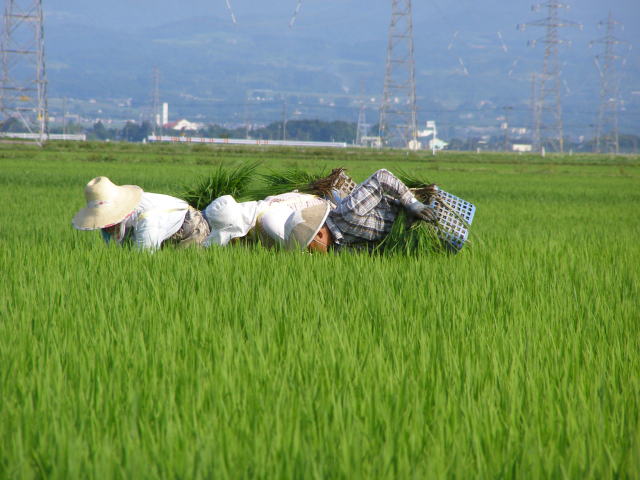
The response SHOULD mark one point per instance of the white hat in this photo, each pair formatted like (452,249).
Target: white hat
(303,225)
(229,219)
(107,204)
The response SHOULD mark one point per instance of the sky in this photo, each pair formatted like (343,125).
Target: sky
(442,29)
(436,22)
(362,20)
(147,13)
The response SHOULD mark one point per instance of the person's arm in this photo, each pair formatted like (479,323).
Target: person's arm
(115,232)
(106,236)
(368,194)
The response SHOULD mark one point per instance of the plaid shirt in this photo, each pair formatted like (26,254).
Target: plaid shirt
(368,212)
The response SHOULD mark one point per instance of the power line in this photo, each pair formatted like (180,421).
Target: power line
(233,17)
(295,14)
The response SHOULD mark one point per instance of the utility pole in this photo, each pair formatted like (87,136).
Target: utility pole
(535,114)
(64,117)
(398,110)
(548,118)
(284,119)
(23,92)
(155,101)
(247,122)
(506,127)
(362,128)
(607,126)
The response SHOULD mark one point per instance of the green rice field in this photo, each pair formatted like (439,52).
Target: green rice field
(517,358)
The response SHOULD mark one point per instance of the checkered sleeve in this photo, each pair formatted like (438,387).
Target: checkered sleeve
(369,193)
(369,211)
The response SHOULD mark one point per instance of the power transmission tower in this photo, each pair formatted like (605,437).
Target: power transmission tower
(548,118)
(23,93)
(607,126)
(398,110)
(155,101)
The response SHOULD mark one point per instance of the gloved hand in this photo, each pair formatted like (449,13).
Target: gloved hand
(422,211)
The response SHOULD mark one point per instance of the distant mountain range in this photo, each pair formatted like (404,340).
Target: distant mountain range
(472,67)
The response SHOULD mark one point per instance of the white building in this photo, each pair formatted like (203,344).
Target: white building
(372,142)
(434,142)
(521,147)
(437,144)
(183,124)
(165,113)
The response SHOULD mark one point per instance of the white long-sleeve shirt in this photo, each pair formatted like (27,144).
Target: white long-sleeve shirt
(229,219)
(156,218)
(273,212)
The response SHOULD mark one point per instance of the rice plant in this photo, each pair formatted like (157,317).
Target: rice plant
(412,238)
(277,182)
(222,181)
(519,361)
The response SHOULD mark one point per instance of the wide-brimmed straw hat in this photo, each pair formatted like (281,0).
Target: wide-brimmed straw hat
(303,225)
(229,219)
(107,204)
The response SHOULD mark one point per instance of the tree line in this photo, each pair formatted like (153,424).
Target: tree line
(301,130)
(307,130)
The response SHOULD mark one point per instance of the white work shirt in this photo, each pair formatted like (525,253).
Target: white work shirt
(229,219)
(155,219)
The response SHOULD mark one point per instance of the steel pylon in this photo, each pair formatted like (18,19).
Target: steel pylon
(607,125)
(548,129)
(398,110)
(23,91)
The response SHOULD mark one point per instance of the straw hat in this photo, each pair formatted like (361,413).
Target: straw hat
(303,225)
(229,219)
(107,204)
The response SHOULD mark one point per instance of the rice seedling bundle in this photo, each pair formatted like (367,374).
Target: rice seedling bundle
(221,181)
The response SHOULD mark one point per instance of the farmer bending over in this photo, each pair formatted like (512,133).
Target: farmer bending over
(262,220)
(148,219)
(362,218)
